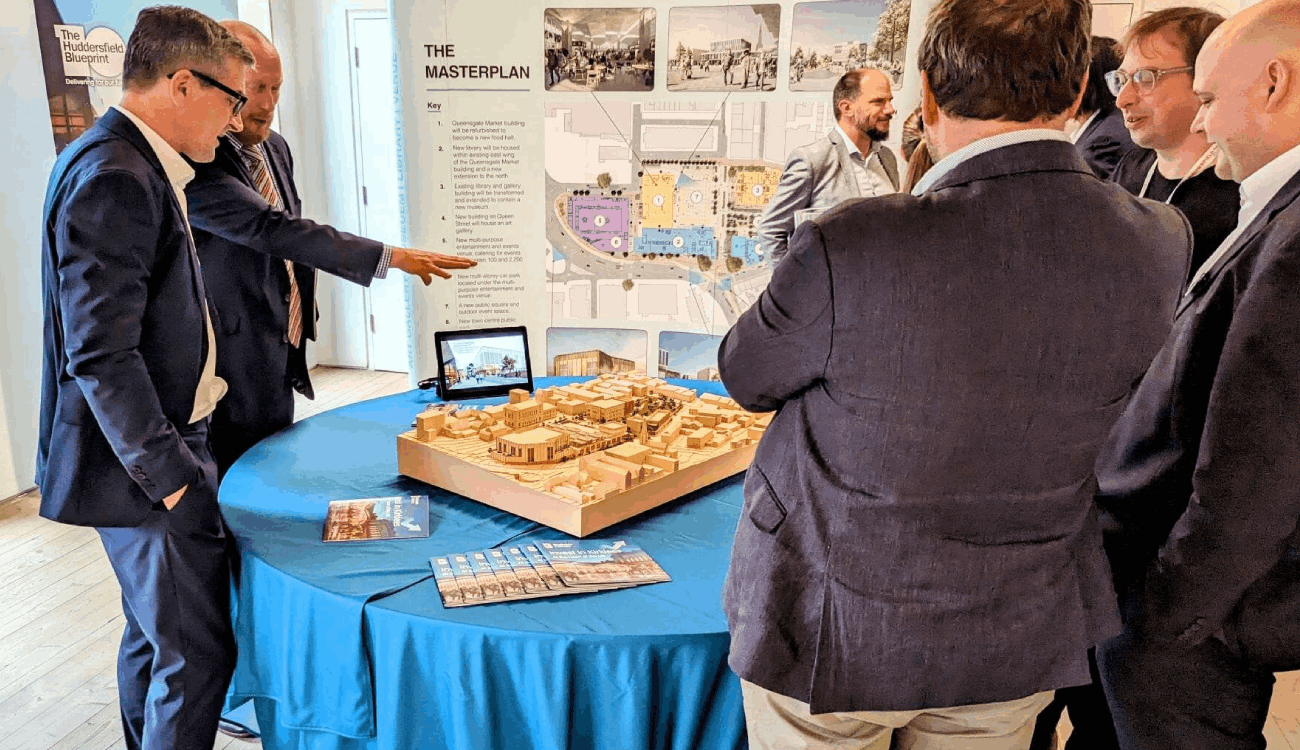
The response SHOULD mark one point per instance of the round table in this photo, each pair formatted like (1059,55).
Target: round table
(348,646)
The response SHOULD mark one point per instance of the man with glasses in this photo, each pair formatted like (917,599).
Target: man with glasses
(1202,471)
(260,260)
(1153,88)
(130,372)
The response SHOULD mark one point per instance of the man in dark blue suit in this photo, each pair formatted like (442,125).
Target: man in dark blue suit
(1201,472)
(129,372)
(260,260)
(1102,138)
(919,558)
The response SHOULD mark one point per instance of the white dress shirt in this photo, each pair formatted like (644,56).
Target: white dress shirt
(983,146)
(873,180)
(1078,132)
(179,174)
(1256,191)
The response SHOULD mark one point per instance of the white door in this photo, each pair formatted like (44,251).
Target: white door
(374,107)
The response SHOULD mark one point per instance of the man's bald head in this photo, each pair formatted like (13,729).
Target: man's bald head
(252,38)
(261,85)
(1248,81)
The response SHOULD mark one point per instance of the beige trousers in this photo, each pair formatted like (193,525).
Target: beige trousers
(776,722)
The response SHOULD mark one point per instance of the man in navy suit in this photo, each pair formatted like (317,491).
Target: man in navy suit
(1102,138)
(919,558)
(260,260)
(1201,472)
(129,372)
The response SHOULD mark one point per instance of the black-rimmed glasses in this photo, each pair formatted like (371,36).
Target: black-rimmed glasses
(1144,78)
(240,99)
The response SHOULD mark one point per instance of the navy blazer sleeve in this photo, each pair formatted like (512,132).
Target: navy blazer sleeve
(780,345)
(224,206)
(1247,472)
(107,243)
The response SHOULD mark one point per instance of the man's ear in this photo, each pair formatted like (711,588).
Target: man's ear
(181,86)
(1280,77)
(929,107)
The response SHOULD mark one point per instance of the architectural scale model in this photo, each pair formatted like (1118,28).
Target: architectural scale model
(581,457)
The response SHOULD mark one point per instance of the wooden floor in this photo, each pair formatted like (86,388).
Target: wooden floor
(61,618)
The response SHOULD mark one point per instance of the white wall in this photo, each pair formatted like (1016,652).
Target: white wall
(27,150)
(315,117)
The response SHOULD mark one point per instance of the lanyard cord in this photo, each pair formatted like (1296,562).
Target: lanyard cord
(1196,169)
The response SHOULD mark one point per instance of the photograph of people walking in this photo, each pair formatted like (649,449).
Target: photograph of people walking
(730,48)
(829,39)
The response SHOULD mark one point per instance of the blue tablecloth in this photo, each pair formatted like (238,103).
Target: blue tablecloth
(348,646)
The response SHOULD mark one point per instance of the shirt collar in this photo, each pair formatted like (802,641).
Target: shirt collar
(983,146)
(1077,134)
(1260,188)
(179,172)
(240,148)
(852,146)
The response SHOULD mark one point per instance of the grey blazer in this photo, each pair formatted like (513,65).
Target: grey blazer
(919,527)
(819,175)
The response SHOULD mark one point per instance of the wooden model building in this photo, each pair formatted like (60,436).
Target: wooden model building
(581,457)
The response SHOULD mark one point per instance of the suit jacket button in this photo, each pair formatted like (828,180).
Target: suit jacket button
(287,297)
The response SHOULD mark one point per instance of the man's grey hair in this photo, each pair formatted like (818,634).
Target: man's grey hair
(167,38)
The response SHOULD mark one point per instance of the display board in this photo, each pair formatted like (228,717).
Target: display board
(607,165)
(83,46)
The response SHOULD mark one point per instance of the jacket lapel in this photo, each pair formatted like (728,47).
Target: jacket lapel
(121,126)
(845,161)
(891,165)
(1285,197)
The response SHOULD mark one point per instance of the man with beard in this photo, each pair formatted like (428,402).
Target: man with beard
(260,260)
(850,162)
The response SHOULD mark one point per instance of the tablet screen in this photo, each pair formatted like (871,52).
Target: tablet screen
(483,362)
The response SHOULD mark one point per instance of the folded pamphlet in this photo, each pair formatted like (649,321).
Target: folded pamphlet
(373,518)
(543,569)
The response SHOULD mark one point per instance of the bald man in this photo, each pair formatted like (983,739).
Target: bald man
(850,162)
(1201,474)
(260,259)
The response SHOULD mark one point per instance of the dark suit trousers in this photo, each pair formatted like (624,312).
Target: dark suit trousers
(257,406)
(1167,697)
(178,650)
(1092,727)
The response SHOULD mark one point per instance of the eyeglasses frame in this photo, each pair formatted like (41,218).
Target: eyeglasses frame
(1131,78)
(240,99)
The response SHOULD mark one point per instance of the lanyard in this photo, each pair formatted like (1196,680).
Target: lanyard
(1200,164)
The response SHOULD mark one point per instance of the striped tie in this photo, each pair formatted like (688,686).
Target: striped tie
(265,184)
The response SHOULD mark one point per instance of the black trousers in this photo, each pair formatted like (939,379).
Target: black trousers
(1167,697)
(178,649)
(1093,728)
